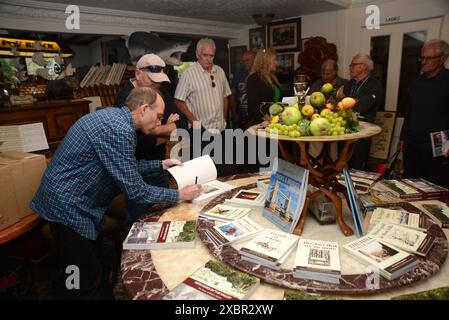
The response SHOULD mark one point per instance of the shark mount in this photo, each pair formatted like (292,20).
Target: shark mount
(141,43)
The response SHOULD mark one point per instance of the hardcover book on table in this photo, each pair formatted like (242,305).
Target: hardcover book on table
(414,189)
(269,248)
(436,209)
(234,231)
(362,180)
(215,281)
(317,260)
(247,198)
(398,216)
(286,195)
(390,261)
(225,213)
(407,239)
(161,235)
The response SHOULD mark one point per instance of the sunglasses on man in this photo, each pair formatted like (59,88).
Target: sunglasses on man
(153,69)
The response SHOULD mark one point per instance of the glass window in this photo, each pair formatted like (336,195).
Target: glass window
(410,67)
(380,47)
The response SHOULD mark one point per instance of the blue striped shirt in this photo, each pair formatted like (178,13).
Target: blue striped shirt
(93,163)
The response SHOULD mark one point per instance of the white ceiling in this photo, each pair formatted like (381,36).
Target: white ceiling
(232,11)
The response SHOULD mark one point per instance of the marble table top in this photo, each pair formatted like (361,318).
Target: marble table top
(151,274)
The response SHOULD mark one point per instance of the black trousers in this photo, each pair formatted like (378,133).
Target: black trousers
(420,163)
(87,256)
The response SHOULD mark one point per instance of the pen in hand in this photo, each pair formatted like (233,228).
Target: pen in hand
(196,180)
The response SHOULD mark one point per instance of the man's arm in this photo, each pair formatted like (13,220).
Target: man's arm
(163,130)
(225,108)
(182,106)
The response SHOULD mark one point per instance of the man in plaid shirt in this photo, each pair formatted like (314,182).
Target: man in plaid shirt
(94,162)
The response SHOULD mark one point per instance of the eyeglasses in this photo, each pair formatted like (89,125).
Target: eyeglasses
(160,116)
(428,58)
(354,64)
(154,69)
(212,79)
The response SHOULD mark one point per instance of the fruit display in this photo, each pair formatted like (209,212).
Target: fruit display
(323,116)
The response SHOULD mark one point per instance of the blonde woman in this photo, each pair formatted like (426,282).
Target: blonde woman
(262,85)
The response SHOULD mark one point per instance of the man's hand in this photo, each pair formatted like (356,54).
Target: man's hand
(340,95)
(168,163)
(400,145)
(173,118)
(190,192)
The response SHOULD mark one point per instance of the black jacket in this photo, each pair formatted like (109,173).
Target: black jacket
(370,96)
(258,91)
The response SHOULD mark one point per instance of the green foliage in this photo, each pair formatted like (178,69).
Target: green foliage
(434,294)
(188,232)
(436,211)
(8,71)
(239,280)
(300,295)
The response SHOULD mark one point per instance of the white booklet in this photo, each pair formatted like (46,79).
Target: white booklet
(200,170)
(23,138)
(269,247)
(399,217)
(318,260)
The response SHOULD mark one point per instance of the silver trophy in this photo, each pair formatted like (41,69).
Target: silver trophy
(300,87)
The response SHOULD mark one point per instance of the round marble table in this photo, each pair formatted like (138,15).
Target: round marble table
(323,168)
(151,274)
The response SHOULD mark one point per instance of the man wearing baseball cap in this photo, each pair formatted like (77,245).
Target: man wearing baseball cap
(150,72)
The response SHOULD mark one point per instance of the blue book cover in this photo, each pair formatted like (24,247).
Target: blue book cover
(286,195)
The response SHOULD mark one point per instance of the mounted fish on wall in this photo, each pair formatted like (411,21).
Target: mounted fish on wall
(140,43)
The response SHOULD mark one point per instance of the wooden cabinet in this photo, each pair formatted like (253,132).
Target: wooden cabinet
(57,117)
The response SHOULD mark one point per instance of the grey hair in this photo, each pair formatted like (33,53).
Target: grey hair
(367,60)
(442,46)
(204,41)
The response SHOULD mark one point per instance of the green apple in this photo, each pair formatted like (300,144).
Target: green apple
(327,88)
(317,99)
(290,115)
(320,127)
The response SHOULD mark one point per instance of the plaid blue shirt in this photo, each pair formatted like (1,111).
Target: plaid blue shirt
(93,163)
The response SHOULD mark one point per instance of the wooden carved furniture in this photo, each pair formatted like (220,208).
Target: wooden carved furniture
(314,52)
(323,169)
(57,117)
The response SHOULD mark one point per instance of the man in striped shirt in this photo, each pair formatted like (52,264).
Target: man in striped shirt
(94,162)
(203,89)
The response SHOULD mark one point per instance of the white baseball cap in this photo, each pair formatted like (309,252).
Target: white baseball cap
(154,66)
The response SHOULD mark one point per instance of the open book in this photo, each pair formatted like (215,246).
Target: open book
(200,170)
(23,138)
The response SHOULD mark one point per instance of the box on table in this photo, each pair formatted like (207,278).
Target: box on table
(20,177)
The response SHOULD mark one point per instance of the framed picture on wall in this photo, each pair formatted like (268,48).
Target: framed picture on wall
(285,64)
(285,35)
(257,39)
(235,55)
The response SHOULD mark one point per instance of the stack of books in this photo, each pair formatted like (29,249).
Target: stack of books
(317,260)
(363,180)
(233,232)
(225,213)
(388,260)
(436,209)
(248,199)
(407,239)
(286,195)
(269,248)
(413,189)
(399,217)
(161,235)
(377,198)
(215,281)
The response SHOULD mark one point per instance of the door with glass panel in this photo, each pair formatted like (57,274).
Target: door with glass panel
(395,50)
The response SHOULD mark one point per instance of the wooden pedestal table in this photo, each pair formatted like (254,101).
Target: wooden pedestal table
(323,169)
(24,225)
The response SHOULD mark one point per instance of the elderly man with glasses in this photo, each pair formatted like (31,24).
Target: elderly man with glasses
(428,112)
(203,90)
(369,94)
